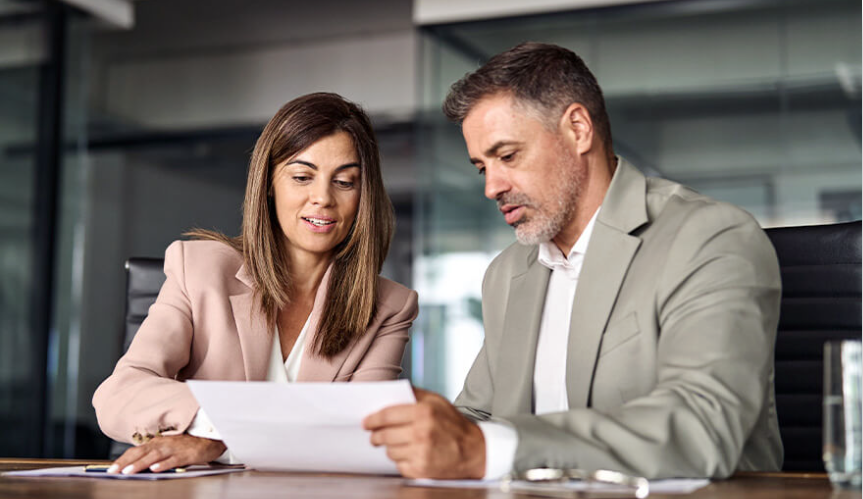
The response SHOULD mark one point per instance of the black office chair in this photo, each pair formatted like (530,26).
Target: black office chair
(821,296)
(144,279)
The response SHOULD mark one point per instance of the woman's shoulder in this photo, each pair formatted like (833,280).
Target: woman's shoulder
(197,259)
(393,295)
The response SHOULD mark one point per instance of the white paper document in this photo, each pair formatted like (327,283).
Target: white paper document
(668,486)
(301,426)
(78,471)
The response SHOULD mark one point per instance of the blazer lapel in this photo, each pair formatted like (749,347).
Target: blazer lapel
(609,253)
(313,367)
(521,330)
(255,338)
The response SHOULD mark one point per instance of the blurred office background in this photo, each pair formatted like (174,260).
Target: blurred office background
(125,123)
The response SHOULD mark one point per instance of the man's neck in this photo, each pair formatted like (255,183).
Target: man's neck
(593,192)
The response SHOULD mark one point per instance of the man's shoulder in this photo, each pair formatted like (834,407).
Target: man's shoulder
(690,225)
(669,202)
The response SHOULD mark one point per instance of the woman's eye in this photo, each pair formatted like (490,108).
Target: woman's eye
(301,178)
(344,184)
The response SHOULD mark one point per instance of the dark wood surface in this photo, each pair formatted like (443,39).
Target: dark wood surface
(253,484)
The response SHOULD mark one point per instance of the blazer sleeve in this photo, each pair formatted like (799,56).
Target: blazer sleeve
(383,359)
(717,310)
(142,397)
(475,399)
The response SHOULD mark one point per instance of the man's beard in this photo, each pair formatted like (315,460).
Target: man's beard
(548,221)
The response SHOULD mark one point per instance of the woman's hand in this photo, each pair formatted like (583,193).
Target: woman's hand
(164,453)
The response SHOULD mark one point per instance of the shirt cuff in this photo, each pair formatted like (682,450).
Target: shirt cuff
(501,441)
(202,427)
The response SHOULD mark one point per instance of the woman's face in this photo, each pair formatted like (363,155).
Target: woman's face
(317,194)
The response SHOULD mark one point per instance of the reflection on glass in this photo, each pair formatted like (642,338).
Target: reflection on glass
(19,84)
(757,104)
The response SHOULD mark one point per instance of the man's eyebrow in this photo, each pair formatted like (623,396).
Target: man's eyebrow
(491,151)
(315,167)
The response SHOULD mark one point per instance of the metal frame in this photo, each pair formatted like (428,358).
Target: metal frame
(45,206)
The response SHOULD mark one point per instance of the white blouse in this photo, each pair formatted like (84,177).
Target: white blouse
(277,372)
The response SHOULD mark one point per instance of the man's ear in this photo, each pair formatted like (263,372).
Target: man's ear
(577,126)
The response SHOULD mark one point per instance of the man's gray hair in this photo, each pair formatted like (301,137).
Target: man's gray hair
(541,77)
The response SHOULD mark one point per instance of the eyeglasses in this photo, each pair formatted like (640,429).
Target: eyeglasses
(548,482)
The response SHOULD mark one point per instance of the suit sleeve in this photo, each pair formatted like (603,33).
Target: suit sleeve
(383,359)
(142,397)
(717,310)
(475,399)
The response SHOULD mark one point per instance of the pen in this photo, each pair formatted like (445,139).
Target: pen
(102,468)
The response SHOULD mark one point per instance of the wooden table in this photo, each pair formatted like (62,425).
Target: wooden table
(253,484)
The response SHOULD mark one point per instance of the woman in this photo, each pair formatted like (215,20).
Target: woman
(296,297)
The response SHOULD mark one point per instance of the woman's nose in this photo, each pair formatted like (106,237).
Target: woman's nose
(321,193)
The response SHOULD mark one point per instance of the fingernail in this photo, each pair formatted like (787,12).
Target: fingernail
(113,468)
(155,467)
(128,469)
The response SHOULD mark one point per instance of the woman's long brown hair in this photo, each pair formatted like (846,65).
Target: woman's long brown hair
(358,259)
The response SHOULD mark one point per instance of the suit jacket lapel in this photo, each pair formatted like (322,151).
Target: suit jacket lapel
(255,338)
(312,366)
(521,329)
(609,253)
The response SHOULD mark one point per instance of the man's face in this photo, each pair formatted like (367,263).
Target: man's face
(529,170)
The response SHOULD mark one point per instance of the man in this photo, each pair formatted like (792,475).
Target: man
(632,328)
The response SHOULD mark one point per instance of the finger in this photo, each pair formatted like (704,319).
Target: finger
(173,461)
(407,469)
(392,435)
(130,456)
(400,453)
(393,415)
(155,455)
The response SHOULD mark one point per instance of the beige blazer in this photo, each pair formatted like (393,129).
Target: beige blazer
(204,325)
(669,367)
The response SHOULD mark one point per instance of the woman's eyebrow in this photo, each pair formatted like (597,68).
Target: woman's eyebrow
(315,167)
(348,165)
(306,163)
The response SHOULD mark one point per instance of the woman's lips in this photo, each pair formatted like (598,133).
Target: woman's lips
(327,226)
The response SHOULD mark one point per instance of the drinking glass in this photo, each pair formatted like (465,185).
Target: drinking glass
(842,432)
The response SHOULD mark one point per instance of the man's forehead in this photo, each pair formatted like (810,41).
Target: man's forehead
(497,119)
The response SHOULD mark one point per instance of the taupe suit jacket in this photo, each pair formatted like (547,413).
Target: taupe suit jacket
(205,325)
(670,358)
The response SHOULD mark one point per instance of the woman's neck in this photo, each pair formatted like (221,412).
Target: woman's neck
(307,271)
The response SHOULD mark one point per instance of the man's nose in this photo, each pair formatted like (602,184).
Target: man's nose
(496,182)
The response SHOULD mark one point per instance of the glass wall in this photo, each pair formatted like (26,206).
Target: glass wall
(755,103)
(21,58)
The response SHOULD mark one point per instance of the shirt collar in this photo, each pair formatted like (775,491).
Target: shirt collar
(550,255)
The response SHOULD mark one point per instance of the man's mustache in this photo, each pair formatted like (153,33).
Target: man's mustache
(514,198)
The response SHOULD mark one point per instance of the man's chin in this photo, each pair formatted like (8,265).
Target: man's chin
(529,238)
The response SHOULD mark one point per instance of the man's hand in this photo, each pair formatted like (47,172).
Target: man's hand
(164,453)
(429,439)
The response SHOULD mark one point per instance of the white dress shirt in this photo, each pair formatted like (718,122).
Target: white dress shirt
(549,373)
(277,372)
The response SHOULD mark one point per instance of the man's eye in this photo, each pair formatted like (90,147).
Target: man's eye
(508,157)
(481,170)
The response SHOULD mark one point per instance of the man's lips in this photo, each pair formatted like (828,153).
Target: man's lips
(512,213)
